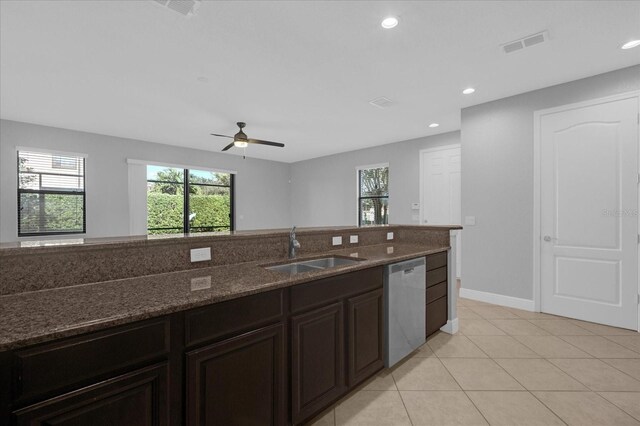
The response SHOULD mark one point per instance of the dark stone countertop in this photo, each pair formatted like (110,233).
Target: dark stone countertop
(40,316)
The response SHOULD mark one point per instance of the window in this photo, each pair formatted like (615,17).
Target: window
(69,163)
(51,194)
(373,195)
(188,201)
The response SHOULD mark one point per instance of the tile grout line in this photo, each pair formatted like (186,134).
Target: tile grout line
(518,382)
(547,407)
(562,337)
(616,368)
(402,399)
(461,388)
(621,335)
(613,403)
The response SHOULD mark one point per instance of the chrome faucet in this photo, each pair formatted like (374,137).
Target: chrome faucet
(293,243)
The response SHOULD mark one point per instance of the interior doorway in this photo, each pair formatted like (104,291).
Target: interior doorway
(440,191)
(586,229)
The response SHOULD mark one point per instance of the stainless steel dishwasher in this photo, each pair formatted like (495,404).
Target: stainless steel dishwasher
(405,303)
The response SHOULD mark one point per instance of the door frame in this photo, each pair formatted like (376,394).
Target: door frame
(537,119)
(421,209)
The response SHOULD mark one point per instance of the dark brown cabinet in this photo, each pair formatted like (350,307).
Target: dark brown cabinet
(138,398)
(239,381)
(437,283)
(317,359)
(365,317)
(336,338)
(273,358)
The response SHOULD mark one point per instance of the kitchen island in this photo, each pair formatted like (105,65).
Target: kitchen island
(174,339)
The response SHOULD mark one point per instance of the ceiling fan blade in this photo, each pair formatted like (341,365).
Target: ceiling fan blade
(227,147)
(261,142)
(222,136)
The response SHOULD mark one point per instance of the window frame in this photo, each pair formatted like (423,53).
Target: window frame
(41,191)
(359,197)
(186,226)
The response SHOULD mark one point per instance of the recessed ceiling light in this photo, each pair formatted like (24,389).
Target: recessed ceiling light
(630,44)
(433,125)
(389,22)
(468,90)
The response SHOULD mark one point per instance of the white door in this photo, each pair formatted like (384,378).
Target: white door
(588,213)
(440,174)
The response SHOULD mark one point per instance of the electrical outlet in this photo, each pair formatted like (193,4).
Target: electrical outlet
(389,250)
(336,241)
(200,283)
(353,239)
(201,254)
(389,235)
(354,254)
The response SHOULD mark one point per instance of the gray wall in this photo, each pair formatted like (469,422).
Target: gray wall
(324,190)
(262,188)
(497,180)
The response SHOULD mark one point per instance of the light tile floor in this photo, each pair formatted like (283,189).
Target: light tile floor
(505,367)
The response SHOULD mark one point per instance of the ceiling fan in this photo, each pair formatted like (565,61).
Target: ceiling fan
(240,139)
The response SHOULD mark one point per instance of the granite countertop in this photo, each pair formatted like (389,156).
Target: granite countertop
(40,316)
(58,245)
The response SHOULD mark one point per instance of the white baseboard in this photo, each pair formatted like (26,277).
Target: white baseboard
(451,326)
(498,299)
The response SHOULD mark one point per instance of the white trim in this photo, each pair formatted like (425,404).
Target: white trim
(179,166)
(51,151)
(498,299)
(537,118)
(451,326)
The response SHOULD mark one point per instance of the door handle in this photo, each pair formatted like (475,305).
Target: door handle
(549,238)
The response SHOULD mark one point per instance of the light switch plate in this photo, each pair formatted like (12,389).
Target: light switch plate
(389,235)
(201,254)
(415,206)
(336,241)
(353,239)
(470,220)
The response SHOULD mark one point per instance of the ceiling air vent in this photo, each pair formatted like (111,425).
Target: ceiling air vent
(183,7)
(524,42)
(381,102)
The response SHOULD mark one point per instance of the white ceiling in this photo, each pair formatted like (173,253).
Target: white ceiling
(301,72)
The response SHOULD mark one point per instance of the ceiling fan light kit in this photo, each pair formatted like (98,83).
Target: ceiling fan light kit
(240,139)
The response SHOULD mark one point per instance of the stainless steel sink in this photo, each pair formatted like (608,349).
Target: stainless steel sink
(292,268)
(298,267)
(330,262)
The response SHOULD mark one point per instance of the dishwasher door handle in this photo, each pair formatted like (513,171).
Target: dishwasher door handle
(408,271)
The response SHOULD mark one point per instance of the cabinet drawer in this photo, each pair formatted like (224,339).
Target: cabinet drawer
(436,276)
(321,292)
(214,321)
(436,261)
(73,361)
(136,398)
(436,315)
(436,292)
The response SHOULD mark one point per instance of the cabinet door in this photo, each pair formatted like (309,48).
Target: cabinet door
(239,381)
(138,398)
(317,360)
(365,322)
